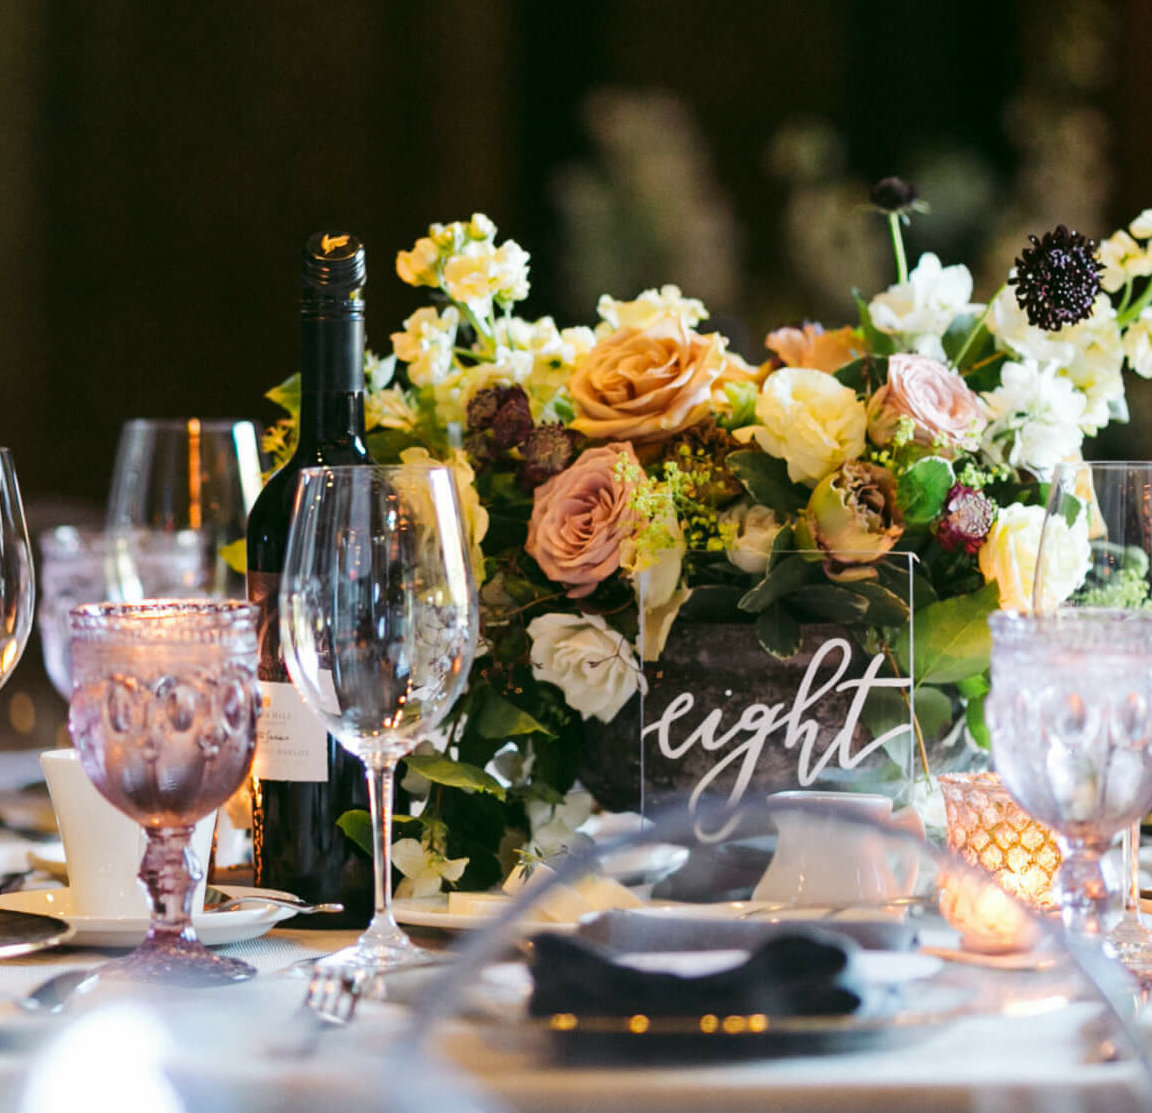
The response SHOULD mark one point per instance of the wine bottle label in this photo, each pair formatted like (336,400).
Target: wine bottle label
(291,743)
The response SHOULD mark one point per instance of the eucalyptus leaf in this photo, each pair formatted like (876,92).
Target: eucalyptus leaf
(788,574)
(501,718)
(443,770)
(951,638)
(778,633)
(766,480)
(828,601)
(923,489)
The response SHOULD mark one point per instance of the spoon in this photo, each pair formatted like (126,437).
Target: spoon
(52,995)
(217,901)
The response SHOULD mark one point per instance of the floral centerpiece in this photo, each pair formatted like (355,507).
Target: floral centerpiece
(643,450)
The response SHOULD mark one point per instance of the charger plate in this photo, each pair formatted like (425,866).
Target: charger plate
(22,933)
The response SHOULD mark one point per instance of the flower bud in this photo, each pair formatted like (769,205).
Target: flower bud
(852,516)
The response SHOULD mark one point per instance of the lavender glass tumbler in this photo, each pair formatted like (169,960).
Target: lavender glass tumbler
(163,714)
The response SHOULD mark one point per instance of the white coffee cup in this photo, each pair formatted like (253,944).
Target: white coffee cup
(103,847)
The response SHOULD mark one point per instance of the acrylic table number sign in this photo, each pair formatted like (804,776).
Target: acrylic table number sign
(803,682)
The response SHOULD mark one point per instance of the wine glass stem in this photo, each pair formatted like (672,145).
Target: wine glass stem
(380,771)
(170,873)
(1132,861)
(1088,908)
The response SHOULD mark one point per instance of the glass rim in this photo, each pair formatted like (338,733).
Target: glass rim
(182,424)
(150,620)
(1102,465)
(1099,631)
(314,470)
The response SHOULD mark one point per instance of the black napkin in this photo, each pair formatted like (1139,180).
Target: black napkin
(790,974)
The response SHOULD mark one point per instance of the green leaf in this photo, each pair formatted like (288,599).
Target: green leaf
(885,608)
(287,394)
(357,825)
(741,404)
(442,770)
(828,601)
(952,640)
(501,718)
(385,445)
(923,489)
(973,687)
(778,633)
(235,555)
(781,543)
(974,717)
(879,343)
(789,574)
(766,480)
(984,374)
(864,375)
(956,335)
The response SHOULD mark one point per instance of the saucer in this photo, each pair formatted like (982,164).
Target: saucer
(212,928)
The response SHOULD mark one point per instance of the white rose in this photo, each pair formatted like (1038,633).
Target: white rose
(921,309)
(810,420)
(757,529)
(1138,344)
(592,664)
(1010,550)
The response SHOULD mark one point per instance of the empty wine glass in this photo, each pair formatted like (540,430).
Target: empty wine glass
(378,623)
(1096,550)
(181,488)
(1070,714)
(17,578)
(163,715)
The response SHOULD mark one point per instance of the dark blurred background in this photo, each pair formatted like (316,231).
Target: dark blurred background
(162,164)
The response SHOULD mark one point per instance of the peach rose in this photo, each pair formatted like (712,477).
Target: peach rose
(646,385)
(945,411)
(581,517)
(812,347)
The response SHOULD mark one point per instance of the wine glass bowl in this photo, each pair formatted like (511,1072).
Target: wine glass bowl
(181,490)
(163,715)
(378,626)
(17,578)
(1069,716)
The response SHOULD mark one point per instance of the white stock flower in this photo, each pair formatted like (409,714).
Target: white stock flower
(1096,366)
(1124,259)
(509,273)
(1009,324)
(468,277)
(1034,418)
(920,310)
(810,420)
(592,664)
(1141,227)
(1009,555)
(1138,344)
(426,344)
(423,868)
(650,307)
(554,825)
(756,528)
(554,353)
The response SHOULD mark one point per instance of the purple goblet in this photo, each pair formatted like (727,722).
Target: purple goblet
(163,714)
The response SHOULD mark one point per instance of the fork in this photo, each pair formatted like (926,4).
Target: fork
(330,1002)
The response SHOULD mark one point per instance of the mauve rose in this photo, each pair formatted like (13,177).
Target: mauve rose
(645,385)
(580,518)
(946,413)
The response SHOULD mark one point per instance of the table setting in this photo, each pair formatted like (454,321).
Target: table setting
(544,718)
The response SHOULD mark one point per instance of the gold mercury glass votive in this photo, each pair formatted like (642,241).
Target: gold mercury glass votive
(989,830)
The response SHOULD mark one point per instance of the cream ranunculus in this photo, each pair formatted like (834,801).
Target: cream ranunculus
(592,664)
(810,421)
(1010,550)
(946,414)
(756,529)
(645,385)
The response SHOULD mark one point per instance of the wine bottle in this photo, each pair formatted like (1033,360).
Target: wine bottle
(303,779)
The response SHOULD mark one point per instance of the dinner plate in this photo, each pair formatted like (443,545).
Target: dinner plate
(212,928)
(433,912)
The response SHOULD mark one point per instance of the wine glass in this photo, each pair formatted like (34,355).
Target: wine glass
(163,714)
(1095,550)
(17,578)
(1070,715)
(181,491)
(378,623)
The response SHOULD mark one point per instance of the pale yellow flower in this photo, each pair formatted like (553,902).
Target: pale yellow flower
(426,344)
(650,307)
(418,267)
(388,409)
(1138,344)
(472,511)
(1123,259)
(1141,227)
(467,277)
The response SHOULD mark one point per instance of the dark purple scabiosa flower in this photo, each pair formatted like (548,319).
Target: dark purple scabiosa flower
(513,420)
(1057,279)
(484,407)
(546,451)
(968,516)
(894,195)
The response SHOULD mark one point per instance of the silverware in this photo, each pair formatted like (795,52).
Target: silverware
(14,880)
(330,1002)
(217,901)
(52,995)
